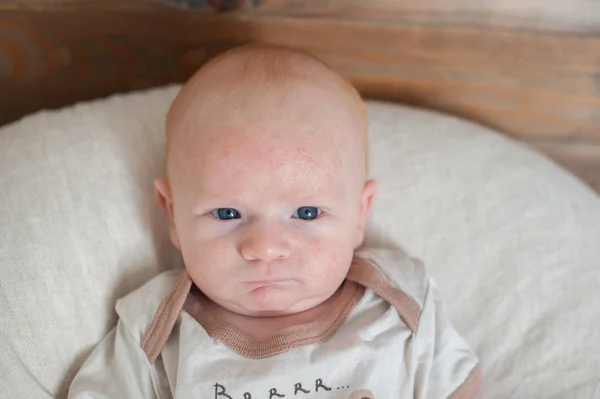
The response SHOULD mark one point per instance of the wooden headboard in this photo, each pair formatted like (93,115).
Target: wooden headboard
(530,69)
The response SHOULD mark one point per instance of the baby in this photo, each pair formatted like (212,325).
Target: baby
(266,197)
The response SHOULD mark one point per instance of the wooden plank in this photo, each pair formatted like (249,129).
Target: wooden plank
(544,85)
(581,158)
(555,15)
(549,15)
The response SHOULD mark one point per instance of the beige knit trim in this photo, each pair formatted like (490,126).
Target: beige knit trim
(470,387)
(360,275)
(365,274)
(165,318)
(287,338)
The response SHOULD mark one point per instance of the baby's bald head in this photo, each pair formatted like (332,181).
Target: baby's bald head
(268,92)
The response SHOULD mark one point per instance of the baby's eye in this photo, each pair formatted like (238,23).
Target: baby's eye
(307,213)
(225,213)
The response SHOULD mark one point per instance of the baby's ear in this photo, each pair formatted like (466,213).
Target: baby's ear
(165,199)
(366,202)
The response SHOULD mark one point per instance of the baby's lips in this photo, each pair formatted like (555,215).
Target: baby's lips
(264,283)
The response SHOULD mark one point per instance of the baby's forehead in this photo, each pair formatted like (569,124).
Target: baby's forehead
(255,151)
(261,130)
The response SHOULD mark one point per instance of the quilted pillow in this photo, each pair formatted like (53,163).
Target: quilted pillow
(511,238)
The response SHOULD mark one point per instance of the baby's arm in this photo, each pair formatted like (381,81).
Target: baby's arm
(117,368)
(447,367)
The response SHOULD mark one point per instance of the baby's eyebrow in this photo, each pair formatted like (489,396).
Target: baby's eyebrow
(235,200)
(281,193)
(219,200)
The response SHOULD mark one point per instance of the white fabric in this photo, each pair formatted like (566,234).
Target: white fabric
(511,239)
(374,351)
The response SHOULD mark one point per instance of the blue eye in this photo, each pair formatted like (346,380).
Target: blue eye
(307,213)
(225,213)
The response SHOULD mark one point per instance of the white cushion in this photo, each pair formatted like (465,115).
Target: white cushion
(511,239)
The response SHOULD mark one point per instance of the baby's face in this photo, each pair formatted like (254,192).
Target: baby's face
(269,205)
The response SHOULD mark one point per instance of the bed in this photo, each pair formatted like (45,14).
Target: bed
(488,87)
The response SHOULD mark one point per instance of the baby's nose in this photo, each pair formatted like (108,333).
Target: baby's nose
(265,243)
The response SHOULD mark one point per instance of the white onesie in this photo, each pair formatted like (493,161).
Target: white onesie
(386,338)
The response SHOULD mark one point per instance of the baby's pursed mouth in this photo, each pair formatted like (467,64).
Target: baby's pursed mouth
(268,282)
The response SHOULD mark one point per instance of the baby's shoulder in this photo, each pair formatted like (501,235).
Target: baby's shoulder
(137,309)
(399,270)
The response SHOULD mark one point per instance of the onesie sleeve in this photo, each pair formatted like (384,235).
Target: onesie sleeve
(446,366)
(118,368)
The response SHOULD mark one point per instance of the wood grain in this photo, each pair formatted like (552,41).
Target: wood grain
(526,84)
(554,15)
(533,73)
(581,16)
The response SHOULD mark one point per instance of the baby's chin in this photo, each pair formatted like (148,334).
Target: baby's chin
(274,301)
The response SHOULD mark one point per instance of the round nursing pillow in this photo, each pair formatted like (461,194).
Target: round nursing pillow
(511,239)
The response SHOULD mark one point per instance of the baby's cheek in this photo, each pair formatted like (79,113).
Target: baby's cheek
(206,263)
(330,261)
